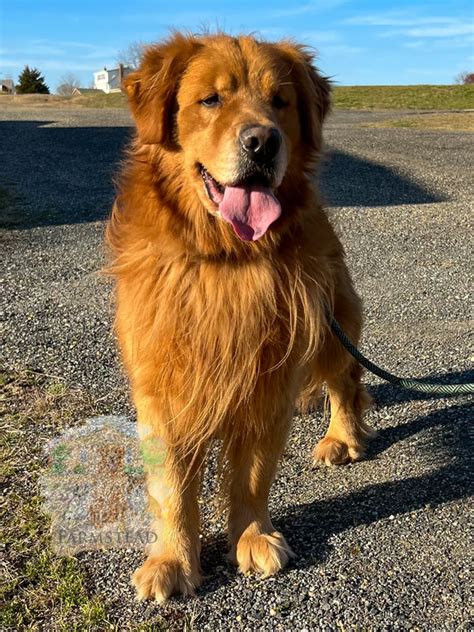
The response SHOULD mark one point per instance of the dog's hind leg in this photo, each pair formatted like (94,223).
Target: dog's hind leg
(347,435)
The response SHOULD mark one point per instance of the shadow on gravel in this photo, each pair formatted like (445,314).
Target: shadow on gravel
(387,394)
(57,175)
(309,527)
(347,180)
(64,175)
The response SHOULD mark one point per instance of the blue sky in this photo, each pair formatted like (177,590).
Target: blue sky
(360,42)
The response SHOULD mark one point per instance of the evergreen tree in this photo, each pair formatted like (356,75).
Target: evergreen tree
(31,82)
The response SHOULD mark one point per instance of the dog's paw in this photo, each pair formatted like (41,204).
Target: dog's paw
(263,553)
(333,452)
(160,577)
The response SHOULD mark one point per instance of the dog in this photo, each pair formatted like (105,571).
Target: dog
(226,266)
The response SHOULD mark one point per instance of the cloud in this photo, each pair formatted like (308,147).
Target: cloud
(12,63)
(447,30)
(416,44)
(434,44)
(397,18)
(220,17)
(64,55)
(46,64)
(411,25)
(339,50)
(320,36)
(310,7)
(329,43)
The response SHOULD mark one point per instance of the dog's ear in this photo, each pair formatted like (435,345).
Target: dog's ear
(151,90)
(314,92)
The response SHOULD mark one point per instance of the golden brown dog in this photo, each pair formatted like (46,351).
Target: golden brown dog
(225,263)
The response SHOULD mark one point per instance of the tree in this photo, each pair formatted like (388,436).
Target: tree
(465,77)
(67,83)
(132,55)
(31,81)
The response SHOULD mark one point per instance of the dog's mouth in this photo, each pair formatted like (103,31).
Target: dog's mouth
(249,205)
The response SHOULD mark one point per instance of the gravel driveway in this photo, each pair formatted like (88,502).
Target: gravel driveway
(383,544)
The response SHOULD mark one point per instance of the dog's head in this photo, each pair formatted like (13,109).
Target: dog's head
(244,115)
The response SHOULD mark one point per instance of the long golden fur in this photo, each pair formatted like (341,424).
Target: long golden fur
(222,335)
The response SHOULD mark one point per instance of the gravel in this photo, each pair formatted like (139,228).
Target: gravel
(383,544)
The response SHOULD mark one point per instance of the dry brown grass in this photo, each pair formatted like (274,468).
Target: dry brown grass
(100,100)
(37,585)
(448,122)
(32,100)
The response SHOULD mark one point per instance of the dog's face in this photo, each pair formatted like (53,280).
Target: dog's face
(241,112)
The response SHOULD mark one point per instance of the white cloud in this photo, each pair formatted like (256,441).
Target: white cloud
(320,36)
(329,43)
(412,25)
(11,63)
(447,30)
(431,44)
(416,44)
(46,64)
(339,50)
(309,7)
(398,18)
(65,55)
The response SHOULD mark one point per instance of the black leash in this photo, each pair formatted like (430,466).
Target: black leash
(410,384)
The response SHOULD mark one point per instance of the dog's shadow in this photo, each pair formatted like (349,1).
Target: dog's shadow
(449,444)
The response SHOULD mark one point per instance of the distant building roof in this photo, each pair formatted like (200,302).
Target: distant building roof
(7,84)
(124,69)
(85,91)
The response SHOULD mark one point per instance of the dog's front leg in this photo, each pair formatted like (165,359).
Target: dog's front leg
(173,482)
(255,544)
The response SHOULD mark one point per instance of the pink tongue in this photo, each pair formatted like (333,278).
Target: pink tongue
(250,210)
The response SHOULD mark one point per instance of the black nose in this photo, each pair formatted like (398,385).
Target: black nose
(261,143)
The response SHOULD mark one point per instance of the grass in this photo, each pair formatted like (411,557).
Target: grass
(38,588)
(456,121)
(101,100)
(422,97)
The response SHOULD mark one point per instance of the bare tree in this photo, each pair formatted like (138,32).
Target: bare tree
(67,83)
(132,55)
(465,77)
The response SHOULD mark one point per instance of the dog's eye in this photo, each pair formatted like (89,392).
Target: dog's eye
(278,102)
(211,101)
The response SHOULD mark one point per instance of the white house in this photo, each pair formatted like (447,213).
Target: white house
(110,80)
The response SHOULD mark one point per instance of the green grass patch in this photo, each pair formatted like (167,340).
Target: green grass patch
(100,100)
(39,589)
(422,97)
